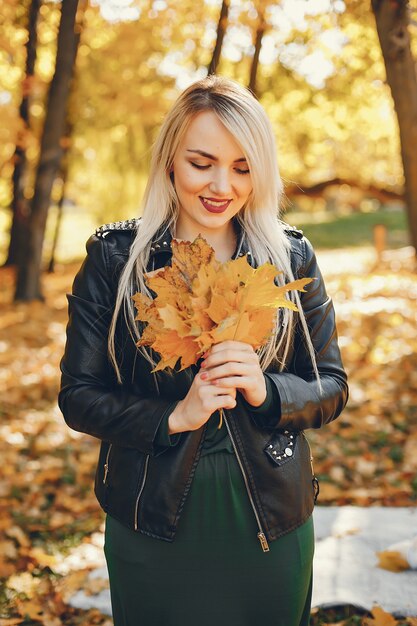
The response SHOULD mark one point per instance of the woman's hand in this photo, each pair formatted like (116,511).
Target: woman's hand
(228,367)
(236,364)
(203,398)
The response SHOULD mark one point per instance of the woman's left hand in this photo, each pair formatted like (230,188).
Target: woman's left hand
(236,364)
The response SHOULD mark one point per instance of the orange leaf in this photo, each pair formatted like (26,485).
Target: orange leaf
(381,618)
(392,561)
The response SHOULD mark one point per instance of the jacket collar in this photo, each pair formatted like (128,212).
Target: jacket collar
(161,242)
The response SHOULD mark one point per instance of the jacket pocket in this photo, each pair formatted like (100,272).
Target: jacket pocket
(281,447)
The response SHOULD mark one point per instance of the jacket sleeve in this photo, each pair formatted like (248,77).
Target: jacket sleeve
(303,404)
(90,398)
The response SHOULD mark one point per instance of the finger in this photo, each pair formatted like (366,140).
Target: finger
(226,402)
(225,391)
(237,382)
(230,344)
(220,401)
(231,368)
(212,390)
(230,356)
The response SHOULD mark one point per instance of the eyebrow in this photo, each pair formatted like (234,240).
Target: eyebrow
(213,158)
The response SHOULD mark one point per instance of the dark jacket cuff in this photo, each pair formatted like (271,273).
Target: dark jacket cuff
(163,439)
(267,414)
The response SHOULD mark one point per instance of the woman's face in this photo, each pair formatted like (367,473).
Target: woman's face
(212,178)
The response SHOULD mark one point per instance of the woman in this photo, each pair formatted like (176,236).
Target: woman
(204,525)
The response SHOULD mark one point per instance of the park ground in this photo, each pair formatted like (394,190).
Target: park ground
(366,457)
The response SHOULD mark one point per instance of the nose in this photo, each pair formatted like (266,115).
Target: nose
(220,184)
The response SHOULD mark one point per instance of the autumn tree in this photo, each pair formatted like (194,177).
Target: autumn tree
(392,22)
(130,71)
(221,30)
(20,205)
(259,33)
(28,279)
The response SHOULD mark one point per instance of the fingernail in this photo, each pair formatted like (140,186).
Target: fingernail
(203,364)
(204,376)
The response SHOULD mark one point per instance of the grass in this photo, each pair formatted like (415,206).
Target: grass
(353,230)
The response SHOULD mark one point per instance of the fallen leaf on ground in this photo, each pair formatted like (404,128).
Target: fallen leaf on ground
(381,618)
(392,561)
(376,313)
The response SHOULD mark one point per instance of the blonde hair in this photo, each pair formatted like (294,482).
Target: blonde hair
(246,120)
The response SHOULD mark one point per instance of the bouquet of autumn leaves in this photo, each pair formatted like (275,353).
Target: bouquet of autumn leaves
(201,301)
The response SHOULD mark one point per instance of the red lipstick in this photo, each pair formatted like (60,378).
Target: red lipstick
(214,205)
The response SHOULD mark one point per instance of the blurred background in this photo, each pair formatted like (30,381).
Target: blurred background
(84,87)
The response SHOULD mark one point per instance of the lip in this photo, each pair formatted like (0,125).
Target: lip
(214,209)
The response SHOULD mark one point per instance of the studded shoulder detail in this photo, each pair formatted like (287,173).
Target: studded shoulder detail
(293,231)
(130,224)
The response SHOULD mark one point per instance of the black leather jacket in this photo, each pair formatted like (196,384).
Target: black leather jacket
(144,484)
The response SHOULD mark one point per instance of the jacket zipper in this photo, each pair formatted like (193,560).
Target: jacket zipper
(106,464)
(315,481)
(261,535)
(142,486)
(311,454)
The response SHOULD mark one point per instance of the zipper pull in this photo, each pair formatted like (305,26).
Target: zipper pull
(263,541)
(106,470)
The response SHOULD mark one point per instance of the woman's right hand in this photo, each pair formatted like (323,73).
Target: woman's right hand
(202,400)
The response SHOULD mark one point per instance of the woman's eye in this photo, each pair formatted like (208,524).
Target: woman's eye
(206,167)
(199,167)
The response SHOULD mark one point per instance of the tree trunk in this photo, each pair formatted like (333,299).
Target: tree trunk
(392,22)
(221,29)
(255,60)
(28,279)
(51,266)
(20,206)
(64,177)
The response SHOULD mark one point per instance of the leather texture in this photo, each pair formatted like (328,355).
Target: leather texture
(145,485)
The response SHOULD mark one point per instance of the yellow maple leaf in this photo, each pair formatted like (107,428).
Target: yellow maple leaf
(200,302)
(167,345)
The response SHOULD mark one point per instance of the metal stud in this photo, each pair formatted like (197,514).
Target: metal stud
(270,446)
(274,453)
(288,451)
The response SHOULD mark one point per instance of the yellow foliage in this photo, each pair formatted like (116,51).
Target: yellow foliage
(201,302)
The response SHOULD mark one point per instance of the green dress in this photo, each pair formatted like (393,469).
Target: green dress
(214,573)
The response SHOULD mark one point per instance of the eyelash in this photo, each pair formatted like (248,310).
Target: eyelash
(205,167)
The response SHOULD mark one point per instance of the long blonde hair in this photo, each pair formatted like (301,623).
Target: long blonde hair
(259,218)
